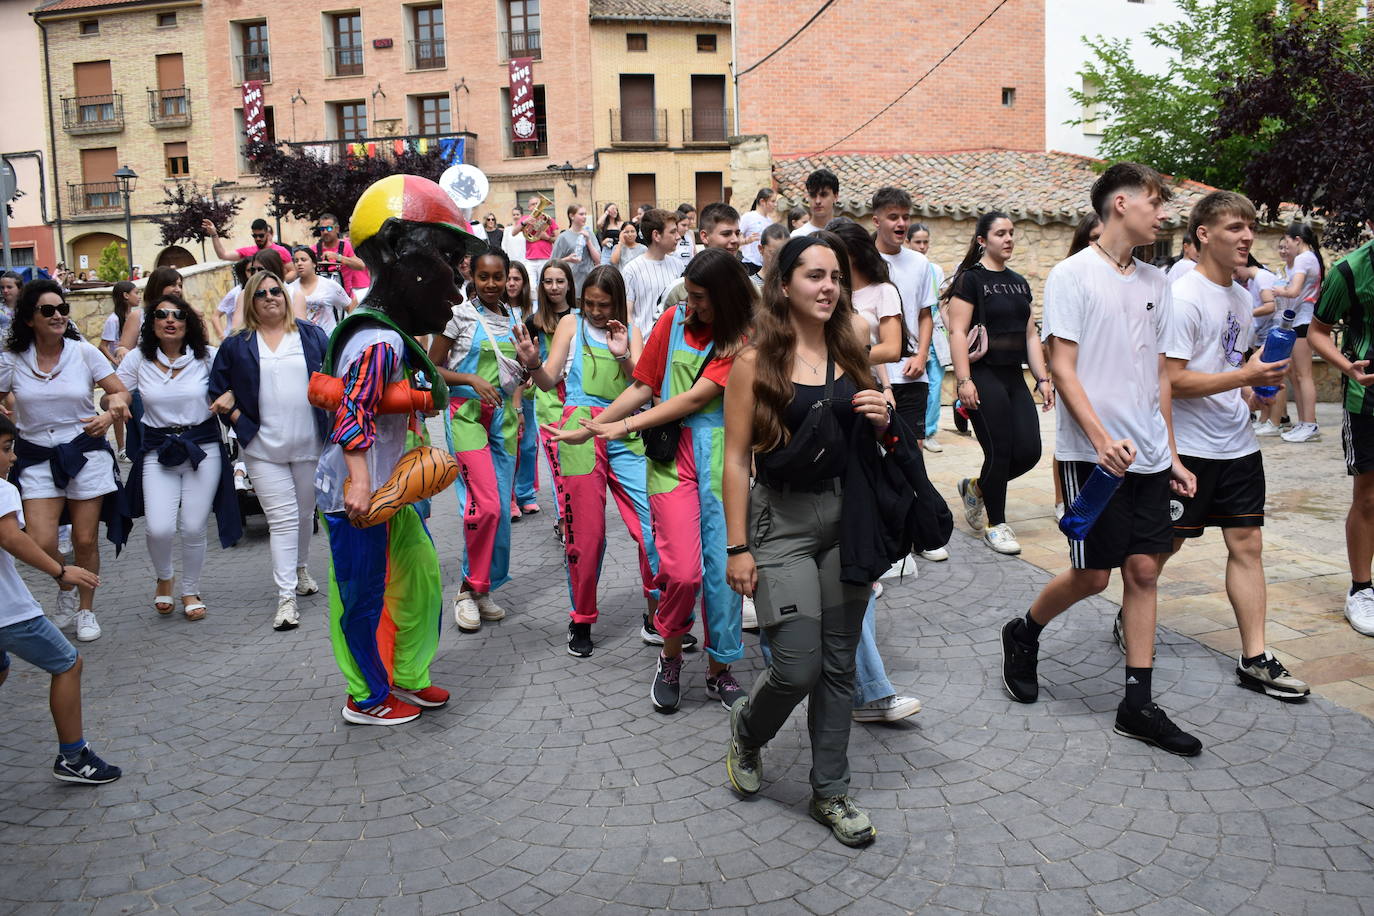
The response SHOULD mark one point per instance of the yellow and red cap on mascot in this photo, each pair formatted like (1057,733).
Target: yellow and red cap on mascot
(410,198)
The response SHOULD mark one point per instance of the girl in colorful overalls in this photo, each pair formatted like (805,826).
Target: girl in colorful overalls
(527,458)
(556,300)
(599,354)
(686,363)
(475,356)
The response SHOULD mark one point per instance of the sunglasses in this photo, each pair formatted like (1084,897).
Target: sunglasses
(48,310)
(325,228)
(174,314)
(264,292)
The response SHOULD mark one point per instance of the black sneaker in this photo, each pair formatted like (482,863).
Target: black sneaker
(667,689)
(1018,664)
(1151,725)
(87,769)
(725,688)
(580,639)
(651,637)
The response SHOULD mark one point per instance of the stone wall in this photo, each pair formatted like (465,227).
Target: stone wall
(204,285)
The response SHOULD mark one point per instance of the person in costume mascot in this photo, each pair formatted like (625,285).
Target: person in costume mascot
(385,591)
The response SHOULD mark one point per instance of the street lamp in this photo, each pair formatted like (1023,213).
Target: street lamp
(127,178)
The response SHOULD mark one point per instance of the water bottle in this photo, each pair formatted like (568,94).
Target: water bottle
(1278,346)
(1087,506)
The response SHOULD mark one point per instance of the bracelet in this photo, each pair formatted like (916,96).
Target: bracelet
(1042,381)
(623,358)
(60,573)
(628,429)
(962,380)
(734,550)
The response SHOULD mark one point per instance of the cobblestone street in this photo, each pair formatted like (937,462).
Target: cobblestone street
(550,785)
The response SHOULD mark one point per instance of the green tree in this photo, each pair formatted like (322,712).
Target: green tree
(112,266)
(1166,119)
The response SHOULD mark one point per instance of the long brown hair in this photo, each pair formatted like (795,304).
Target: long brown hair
(775,338)
(607,279)
(546,315)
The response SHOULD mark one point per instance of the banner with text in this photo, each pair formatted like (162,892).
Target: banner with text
(254,118)
(522,127)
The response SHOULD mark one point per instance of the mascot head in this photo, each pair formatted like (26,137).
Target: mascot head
(406,230)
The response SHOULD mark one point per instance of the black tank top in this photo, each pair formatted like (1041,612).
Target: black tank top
(832,463)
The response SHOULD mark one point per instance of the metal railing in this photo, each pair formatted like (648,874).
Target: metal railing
(540,146)
(345,61)
(522,44)
(169,107)
(706,125)
(91,114)
(95,197)
(639,125)
(255,67)
(385,147)
(428,54)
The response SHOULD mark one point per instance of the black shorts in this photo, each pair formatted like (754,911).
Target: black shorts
(1135,521)
(1357,439)
(1300,330)
(1230,494)
(910,400)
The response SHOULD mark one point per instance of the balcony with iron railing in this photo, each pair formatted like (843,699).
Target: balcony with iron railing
(639,126)
(522,44)
(344,61)
(389,147)
(255,67)
(428,54)
(707,126)
(532,150)
(96,198)
(169,107)
(93,114)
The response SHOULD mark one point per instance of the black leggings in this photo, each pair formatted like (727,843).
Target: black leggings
(1008,431)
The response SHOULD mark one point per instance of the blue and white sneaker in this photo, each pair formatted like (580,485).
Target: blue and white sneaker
(87,768)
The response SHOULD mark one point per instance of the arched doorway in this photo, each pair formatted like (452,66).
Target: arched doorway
(90,246)
(175,256)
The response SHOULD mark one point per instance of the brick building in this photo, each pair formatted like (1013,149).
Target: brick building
(120,83)
(24,137)
(661,102)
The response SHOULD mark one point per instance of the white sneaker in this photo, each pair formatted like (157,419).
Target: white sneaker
(938,555)
(973,504)
(87,629)
(287,617)
(1359,610)
(305,583)
(750,618)
(465,613)
(903,569)
(1267,428)
(1058,512)
(64,539)
(1001,539)
(888,709)
(65,615)
(1303,432)
(877,589)
(488,609)
(930,445)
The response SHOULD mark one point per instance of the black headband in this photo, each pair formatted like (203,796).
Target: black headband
(787,258)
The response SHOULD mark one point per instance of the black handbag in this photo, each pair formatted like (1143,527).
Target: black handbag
(818,433)
(660,442)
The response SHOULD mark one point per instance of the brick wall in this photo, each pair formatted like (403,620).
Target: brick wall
(858,56)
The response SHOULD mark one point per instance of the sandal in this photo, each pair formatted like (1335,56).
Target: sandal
(163,604)
(195,610)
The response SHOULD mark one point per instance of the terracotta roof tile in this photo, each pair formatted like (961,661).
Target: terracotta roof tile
(1043,187)
(676,10)
(58,6)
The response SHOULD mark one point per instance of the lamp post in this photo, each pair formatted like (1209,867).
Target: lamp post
(127,178)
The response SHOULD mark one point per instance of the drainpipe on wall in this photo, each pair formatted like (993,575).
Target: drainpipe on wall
(734,63)
(52,142)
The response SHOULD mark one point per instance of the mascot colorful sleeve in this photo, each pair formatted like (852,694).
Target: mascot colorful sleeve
(385,592)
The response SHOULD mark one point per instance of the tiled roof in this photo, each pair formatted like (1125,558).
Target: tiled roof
(60,6)
(662,10)
(1042,187)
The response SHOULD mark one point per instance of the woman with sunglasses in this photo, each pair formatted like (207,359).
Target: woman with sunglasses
(63,462)
(259,381)
(268,260)
(493,230)
(179,473)
(161,282)
(326,303)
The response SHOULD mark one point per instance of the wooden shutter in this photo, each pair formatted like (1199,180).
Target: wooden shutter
(93,78)
(170,72)
(99,164)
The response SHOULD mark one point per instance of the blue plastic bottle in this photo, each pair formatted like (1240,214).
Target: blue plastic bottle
(1087,506)
(1278,346)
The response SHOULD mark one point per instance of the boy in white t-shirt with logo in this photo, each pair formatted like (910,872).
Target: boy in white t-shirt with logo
(1206,334)
(25,632)
(1104,310)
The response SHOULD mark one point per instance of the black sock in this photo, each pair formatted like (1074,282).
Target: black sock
(1252,660)
(1359,586)
(1030,631)
(1138,686)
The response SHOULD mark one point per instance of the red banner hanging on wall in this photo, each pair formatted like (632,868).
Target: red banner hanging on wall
(254,118)
(522,126)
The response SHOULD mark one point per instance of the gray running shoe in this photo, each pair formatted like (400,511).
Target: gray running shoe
(666,692)
(846,820)
(974,513)
(1119,634)
(1268,675)
(743,765)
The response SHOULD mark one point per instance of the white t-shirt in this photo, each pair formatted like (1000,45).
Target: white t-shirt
(646,280)
(1180,268)
(180,400)
(939,335)
(326,305)
(1263,279)
(1209,326)
(51,406)
(809,228)
(1116,323)
(752,223)
(287,432)
(17,603)
(910,273)
(1306,299)
(109,331)
(686,249)
(875,302)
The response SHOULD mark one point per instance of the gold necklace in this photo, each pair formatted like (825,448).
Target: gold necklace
(1119,266)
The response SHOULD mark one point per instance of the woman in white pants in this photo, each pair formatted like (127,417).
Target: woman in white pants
(259,380)
(177,471)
